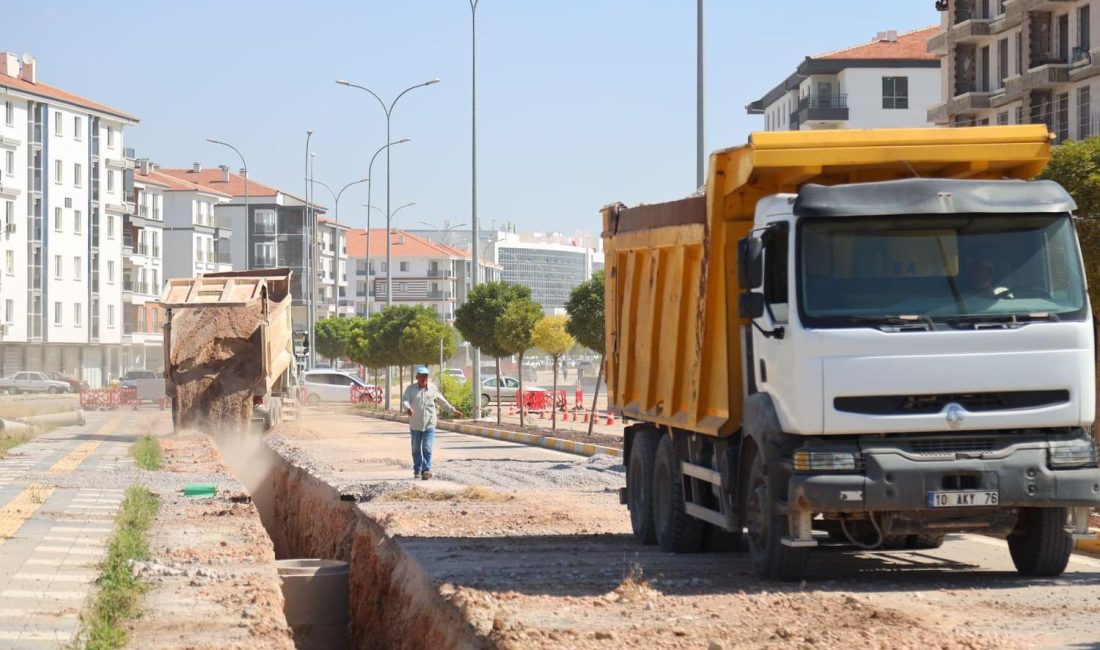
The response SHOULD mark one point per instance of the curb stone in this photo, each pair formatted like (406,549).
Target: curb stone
(532,439)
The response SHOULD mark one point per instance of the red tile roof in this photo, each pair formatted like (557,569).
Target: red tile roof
(49,92)
(215,179)
(175,184)
(912,45)
(404,245)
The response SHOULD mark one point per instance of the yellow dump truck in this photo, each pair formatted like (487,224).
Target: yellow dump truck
(869,337)
(228,350)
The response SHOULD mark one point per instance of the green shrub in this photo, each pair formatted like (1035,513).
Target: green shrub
(459,394)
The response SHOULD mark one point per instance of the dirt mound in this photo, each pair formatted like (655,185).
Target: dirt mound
(216,365)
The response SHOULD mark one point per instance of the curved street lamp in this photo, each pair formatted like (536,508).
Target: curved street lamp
(244,166)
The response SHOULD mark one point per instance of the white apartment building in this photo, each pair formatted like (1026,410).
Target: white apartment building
(424,272)
(333,289)
(63,202)
(143,272)
(196,237)
(890,82)
(1018,62)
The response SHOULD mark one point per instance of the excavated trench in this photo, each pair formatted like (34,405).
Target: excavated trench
(392,603)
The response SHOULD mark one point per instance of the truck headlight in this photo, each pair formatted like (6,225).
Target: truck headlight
(828,461)
(1072,453)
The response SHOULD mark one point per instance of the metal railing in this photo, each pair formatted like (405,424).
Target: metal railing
(815,100)
(440,273)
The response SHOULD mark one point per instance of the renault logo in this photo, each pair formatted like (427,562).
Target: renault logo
(955,415)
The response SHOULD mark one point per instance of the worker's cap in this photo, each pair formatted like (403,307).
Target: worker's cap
(421,370)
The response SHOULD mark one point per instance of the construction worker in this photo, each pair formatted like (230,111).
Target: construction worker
(418,402)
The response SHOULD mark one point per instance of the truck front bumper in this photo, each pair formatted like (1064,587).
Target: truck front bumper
(896,482)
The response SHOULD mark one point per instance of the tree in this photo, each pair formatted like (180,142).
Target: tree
(1076,167)
(331,335)
(478,318)
(378,343)
(514,334)
(420,340)
(585,307)
(551,337)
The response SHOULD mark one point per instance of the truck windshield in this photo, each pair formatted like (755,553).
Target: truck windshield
(939,270)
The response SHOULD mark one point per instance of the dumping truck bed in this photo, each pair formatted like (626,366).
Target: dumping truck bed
(673,332)
(228,349)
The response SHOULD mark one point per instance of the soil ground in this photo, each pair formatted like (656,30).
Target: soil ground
(534,548)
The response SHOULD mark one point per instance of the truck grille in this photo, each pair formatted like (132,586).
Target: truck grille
(949,446)
(973,402)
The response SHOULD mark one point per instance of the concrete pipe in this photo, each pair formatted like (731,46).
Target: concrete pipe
(316,594)
(63,419)
(12,427)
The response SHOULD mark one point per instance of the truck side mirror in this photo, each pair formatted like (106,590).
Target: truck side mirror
(750,263)
(750,305)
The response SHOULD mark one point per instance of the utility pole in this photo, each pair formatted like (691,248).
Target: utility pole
(700,117)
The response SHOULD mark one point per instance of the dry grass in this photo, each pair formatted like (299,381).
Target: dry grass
(472,493)
(633,588)
(18,409)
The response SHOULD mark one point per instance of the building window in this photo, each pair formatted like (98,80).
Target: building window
(1084,38)
(404,266)
(76,314)
(9,311)
(110,180)
(110,226)
(111,137)
(1002,60)
(57,267)
(895,92)
(77,266)
(77,175)
(78,219)
(9,163)
(9,262)
(58,167)
(1019,114)
(1063,118)
(110,271)
(9,114)
(9,215)
(263,222)
(265,254)
(1002,118)
(77,132)
(57,219)
(110,316)
(57,314)
(57,130)
(1084,101)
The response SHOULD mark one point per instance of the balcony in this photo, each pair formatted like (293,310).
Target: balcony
(1084,65)
(1046,72)
(1043,5)
(938,44)
(221,257)
(440,295)
(825,108)
(970,31)
(440,273)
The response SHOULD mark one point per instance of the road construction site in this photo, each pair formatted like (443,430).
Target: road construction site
(508,546)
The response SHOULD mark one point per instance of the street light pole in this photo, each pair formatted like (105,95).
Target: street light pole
(307,252)
(370,281)
(388,110)
(336,251)
(475,261)
(370,175)
(700,152)
(244,165)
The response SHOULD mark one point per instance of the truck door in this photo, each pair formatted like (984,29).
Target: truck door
(774,361)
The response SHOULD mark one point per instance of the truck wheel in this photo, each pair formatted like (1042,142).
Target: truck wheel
(770,558)
(924,541)
(1040,545)
(677,532)
(720,540)
(54,390)
(314,399)
(639,485)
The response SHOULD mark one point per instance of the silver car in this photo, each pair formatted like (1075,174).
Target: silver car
(32,382)
(328,386)
(508,388)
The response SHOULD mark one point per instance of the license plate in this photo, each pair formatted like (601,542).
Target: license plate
(962,499)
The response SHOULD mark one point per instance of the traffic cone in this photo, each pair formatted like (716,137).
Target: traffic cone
(610,418)
(512,409)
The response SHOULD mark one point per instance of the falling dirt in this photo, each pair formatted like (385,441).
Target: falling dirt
(216,364)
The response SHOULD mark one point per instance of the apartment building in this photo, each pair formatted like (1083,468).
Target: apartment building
(63,202)
(143,271)
(1018,62)
(276,232)
(424,272)
(333,289)
(196,237)
(891,81)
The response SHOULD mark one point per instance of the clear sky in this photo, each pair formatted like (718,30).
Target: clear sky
(580,102)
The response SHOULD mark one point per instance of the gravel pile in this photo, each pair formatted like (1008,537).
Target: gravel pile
(596,473)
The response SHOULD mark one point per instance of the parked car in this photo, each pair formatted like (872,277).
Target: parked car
(75,385)
(322,385)
(457,373)
(32,382)
(508,388)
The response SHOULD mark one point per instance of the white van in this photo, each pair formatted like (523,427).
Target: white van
(328,386)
